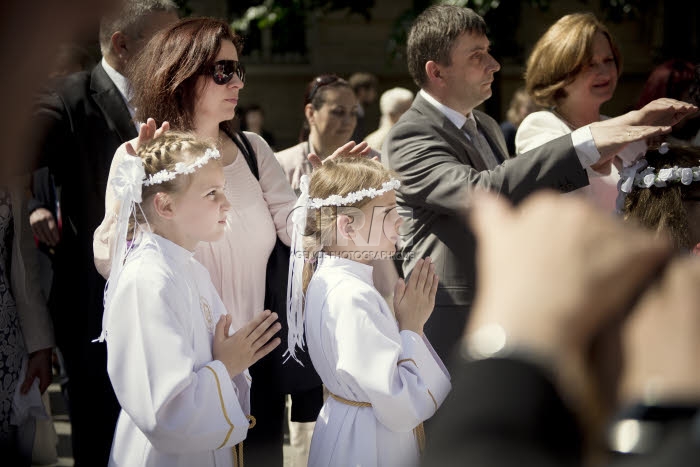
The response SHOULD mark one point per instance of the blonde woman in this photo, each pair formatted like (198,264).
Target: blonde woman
(573,70)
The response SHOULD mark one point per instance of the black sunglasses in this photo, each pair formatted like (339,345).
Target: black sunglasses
(223,71)
(319,82)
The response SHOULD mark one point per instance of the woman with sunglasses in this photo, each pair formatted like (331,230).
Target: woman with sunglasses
(189,75)
(330,117)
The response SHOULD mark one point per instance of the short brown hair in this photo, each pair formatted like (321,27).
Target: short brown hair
(433,35)
(661,208)
(560,55)
(164,76)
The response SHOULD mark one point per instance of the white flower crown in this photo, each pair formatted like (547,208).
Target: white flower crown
(640,175)
(354,197)
(181,168)
(649,177)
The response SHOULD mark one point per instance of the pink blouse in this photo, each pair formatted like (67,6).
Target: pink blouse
(258,214)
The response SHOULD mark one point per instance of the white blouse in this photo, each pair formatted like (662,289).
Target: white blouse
(541,127)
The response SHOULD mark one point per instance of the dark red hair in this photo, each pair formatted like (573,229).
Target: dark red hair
(165,74)
(670,79)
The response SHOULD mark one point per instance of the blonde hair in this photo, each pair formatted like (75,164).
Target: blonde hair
(163,153)
(560,55)
(661,208)
(336,177)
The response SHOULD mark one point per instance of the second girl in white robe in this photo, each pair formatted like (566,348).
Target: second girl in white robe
(360,354)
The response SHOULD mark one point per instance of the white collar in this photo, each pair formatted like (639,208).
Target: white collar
(167,247)
(361,270)
(452,115)
(120,82)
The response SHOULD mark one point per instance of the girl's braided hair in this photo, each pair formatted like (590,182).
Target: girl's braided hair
(163,153)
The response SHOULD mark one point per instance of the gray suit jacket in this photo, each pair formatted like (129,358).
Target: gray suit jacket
(438,167)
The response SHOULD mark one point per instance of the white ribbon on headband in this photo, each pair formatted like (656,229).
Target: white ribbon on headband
(295,281)
(127,185)
(128,181)
(626,183)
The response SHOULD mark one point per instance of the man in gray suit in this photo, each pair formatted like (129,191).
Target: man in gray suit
(442,148)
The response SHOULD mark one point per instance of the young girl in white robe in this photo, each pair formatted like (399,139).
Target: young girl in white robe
(177,370)
(382,375)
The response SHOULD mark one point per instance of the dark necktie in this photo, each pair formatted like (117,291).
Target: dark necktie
(480,143)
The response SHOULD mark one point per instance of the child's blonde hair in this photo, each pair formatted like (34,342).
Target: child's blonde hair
(336,177)
(163,153)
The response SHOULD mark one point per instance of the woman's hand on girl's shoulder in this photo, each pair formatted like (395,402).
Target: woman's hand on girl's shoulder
(247,345)
(414,301)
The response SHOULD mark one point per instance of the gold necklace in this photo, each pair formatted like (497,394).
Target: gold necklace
(561,117)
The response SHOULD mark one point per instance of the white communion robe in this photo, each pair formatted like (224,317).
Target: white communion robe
(360,354)
(179,406)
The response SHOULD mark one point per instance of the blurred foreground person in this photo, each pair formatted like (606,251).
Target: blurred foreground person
(27,55)
(525,388)
(79,123)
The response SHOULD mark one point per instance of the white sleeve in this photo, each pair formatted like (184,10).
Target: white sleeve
(537,129)
(632,152)
(542,127)
(151,366)
(404,381)
(102,237)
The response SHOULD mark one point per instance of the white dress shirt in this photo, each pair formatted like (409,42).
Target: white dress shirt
(124,88)
(582,138)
